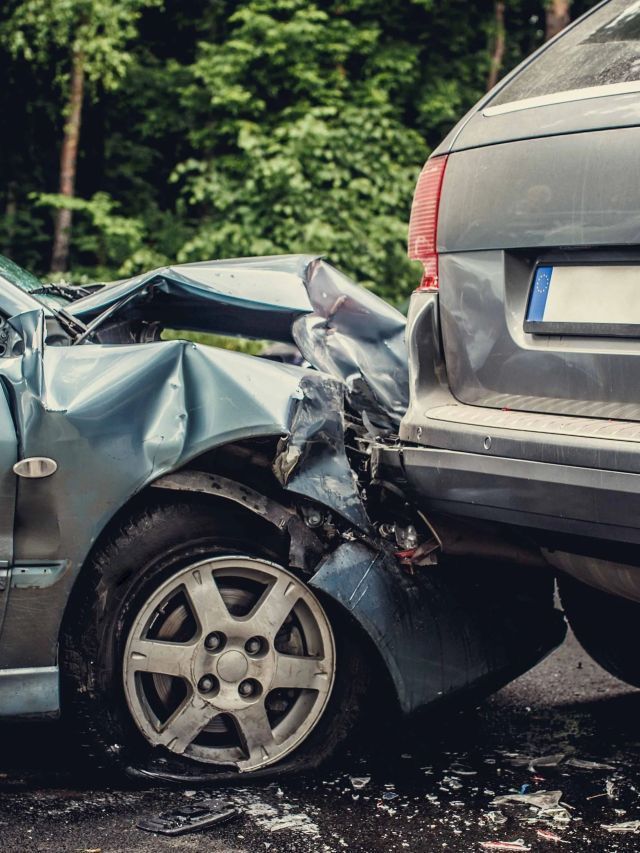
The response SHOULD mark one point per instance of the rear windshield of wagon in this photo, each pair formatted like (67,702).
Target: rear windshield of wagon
(603,50)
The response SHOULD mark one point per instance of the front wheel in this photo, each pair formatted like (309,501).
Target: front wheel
(188,651)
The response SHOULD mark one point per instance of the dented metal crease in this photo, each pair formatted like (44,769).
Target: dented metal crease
(120,418)
(117,418)
(340,328)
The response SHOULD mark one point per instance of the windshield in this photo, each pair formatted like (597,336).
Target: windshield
(28,283)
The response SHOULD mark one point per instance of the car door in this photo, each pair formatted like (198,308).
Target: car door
(9,356)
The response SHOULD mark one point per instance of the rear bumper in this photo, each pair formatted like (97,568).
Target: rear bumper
(573,500)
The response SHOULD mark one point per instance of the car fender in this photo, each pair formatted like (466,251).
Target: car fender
(116,419)
(439,632)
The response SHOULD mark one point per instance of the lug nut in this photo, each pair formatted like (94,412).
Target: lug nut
(253,646)
(214,641)
(206,684)
(246,688)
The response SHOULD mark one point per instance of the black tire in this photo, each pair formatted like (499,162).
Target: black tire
(142,553)
(606,626)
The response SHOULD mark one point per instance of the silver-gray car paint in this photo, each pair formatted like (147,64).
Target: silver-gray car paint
(118,418)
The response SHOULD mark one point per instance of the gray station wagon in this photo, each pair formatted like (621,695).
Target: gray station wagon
(524,335)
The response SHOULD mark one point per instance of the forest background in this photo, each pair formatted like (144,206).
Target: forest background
(141,132)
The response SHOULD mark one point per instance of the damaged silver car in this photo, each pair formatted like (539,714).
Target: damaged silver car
(202,566)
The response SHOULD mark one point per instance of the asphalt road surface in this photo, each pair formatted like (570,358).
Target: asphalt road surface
(432,792)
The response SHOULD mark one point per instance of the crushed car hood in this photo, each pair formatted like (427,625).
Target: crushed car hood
(339,327)
(122,409)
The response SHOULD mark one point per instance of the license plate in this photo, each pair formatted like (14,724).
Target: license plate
(585,300)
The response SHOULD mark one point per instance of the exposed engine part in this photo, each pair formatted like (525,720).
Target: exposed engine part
(313,516)
(406,537)
(130,332)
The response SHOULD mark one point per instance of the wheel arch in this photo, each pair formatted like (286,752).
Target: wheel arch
(246,489)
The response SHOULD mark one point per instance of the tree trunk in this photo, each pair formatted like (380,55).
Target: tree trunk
(498,45)
(68,163)
(556,17)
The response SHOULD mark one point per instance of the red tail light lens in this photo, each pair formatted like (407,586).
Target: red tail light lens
(423,225)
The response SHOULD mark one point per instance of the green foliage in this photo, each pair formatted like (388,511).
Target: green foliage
(221,341)
(331,179)
(110,237)
(221,128)
(98,29)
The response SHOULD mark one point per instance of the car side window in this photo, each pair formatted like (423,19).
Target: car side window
(603,50)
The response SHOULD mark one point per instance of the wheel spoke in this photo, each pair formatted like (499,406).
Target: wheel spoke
(255,731)
(161,657)
(207,603)
(275,604)
(304,673)
(186,723)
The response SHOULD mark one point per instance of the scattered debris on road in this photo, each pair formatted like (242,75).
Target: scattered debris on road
(550,836)
(625,826)
(546,803)
(191,818)
(555,761)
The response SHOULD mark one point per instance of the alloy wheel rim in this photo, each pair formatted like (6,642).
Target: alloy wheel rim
(231,661)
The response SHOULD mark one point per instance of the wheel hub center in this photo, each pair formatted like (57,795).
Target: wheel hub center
(232,666)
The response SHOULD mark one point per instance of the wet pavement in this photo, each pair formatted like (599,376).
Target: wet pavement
(434,791)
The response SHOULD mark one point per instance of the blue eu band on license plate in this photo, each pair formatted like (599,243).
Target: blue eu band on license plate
(597,300)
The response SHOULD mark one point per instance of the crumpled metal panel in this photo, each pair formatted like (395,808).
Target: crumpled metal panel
(311,459)
(444,631)
(253,297)
(115,418)
(340,327)
(352,334)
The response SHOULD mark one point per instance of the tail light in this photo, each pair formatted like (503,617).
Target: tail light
(423,225)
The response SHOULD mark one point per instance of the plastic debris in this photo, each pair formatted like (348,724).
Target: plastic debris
(504,845)
(625,826)
(555,761)
(460,769)
(536,762)
(580,764)
(389,795)
(537,799)
(547,761)
(496,818)
(546,802)
(191,818)
(550,836)
(359,782)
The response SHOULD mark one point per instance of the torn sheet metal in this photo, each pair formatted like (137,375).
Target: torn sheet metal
(252,297)
(118,417)
(311,458)
(339,327)
(428,652)
(354,335)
